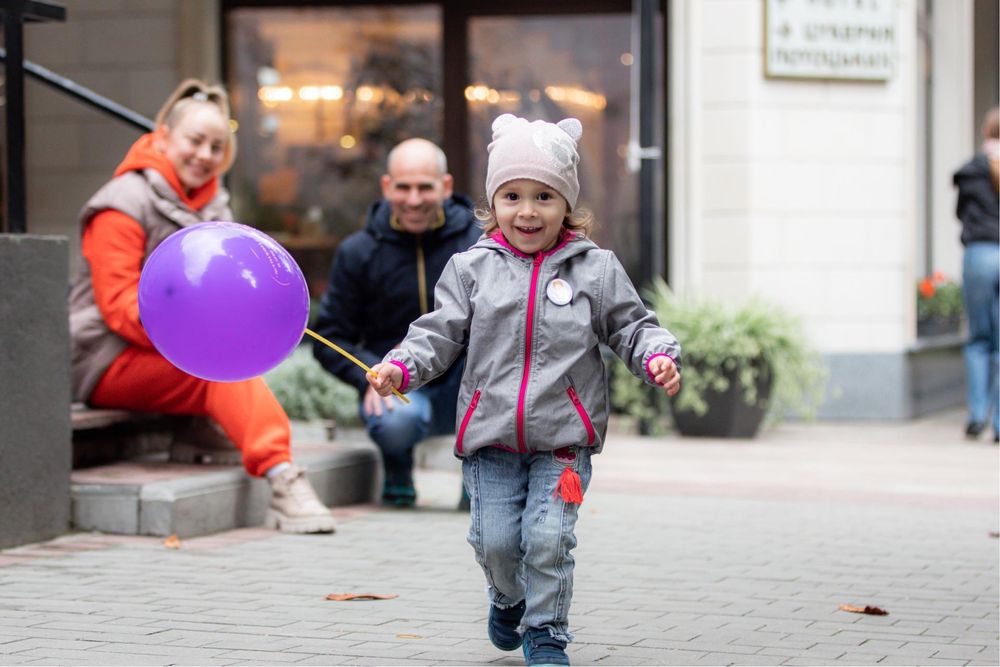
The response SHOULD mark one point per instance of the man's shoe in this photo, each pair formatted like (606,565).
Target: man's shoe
(973,429)
(541,648)
(399,496)
(502,626)
(295,508)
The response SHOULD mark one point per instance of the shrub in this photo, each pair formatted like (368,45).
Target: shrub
(306,391)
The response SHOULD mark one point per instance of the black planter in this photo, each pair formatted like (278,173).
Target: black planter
(938,326)
(729,415)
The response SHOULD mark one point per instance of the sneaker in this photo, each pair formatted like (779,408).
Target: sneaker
(502,626)
(399,496)
(295,508)
(541,648)
(973,429)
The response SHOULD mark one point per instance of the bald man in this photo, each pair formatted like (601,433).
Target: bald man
(382,279)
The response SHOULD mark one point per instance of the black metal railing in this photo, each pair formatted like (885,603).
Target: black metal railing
(14,14)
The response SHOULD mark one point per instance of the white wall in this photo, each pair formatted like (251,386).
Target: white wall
(954,125)
(803,192)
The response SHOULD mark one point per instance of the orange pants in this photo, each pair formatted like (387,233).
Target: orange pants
(143,380)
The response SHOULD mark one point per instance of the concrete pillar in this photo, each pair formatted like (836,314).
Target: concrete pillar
(35,432)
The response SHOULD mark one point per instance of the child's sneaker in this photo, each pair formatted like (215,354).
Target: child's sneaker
(541,648)
(502,626)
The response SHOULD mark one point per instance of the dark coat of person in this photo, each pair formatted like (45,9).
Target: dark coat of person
(977,201)
(382,279)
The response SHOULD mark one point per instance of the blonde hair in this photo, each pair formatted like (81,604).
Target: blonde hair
(580,220)
(192,92)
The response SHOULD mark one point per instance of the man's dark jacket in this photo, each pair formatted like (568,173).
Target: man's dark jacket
(977,201)
(374,291)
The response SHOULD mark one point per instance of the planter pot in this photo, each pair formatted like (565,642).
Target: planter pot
(938,326)
(728,416)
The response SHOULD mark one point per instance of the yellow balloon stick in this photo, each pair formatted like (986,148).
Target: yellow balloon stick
(350,356)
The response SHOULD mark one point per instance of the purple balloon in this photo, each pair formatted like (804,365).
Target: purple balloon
(223,301)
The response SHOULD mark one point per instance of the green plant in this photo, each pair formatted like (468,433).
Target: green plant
(937,296)
(754,338)
(306,391)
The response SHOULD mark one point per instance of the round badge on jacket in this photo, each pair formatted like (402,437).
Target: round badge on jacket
(559,292)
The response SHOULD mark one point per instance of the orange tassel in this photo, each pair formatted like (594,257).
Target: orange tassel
(568,487)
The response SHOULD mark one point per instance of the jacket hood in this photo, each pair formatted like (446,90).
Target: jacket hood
(142,155)
(458,218)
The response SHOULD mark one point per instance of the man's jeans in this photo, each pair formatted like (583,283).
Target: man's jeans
(980,289)
(522,532)
(431,411)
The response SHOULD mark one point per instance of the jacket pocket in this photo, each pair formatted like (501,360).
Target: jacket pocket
(582,412)
(465,420)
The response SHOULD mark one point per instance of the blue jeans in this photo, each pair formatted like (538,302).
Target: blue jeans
(431,411)
(522,534)
(981,292)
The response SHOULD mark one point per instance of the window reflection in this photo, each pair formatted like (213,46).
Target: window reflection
(561,69)
(321,95)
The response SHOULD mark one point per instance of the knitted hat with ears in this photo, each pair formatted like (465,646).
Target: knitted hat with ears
(543,152)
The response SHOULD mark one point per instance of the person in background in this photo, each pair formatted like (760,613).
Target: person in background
(168,180)
(383,278)
(977,210)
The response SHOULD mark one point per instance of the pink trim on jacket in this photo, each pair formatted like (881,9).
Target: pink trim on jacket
(564,237)
(654,356)
(406,374)
(529,332)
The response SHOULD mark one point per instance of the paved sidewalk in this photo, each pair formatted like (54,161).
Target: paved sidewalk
(691,552)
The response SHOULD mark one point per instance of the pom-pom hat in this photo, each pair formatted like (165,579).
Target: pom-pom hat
(544,152)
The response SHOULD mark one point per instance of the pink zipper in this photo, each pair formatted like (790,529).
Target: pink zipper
(465,420)
(582,411)
(528,333)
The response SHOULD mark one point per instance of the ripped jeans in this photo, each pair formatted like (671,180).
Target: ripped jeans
(522,532)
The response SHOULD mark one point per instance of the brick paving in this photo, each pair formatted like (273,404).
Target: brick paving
(692,552)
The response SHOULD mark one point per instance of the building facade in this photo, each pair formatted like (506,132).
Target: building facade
(816,174)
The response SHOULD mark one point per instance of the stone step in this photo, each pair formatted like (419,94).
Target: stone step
(152,496)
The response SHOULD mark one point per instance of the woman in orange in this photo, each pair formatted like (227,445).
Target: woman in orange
(169,180)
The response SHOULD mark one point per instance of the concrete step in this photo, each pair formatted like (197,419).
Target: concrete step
(153,496)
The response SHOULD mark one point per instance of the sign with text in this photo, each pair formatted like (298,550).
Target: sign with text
(830,39)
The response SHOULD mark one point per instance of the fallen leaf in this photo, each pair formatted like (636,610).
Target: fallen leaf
(172,542)
(873,611)
(994,534)
(340,597)
(406,636)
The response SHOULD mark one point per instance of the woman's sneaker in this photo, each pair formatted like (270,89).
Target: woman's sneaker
(502,626)
(541,648)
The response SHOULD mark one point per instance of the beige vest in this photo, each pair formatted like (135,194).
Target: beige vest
(147,198)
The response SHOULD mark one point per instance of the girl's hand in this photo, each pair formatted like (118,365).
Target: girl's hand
(384,378)
(665,374)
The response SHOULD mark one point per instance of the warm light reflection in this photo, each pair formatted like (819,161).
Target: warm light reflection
(313,93)
(347,141)
(569,94)
(274,94)
(578,96)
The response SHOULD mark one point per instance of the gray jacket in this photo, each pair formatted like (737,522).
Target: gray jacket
(534,379)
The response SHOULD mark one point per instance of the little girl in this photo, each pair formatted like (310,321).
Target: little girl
(531,302)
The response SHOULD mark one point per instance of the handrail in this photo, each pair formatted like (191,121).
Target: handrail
(84,94)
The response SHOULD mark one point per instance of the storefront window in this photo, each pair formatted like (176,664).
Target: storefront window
(551,75)
(321,95)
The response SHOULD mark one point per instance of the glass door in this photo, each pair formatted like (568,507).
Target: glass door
(577,65)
